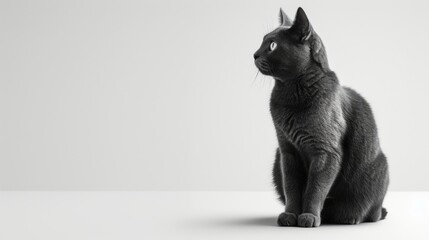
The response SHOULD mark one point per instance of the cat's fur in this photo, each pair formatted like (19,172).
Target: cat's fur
(329,167)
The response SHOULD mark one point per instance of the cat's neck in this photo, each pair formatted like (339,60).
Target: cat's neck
(304,89)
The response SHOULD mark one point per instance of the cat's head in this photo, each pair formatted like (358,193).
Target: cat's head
(288,50)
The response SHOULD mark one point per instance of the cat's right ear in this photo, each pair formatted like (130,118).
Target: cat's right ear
(301,25)
(284,20)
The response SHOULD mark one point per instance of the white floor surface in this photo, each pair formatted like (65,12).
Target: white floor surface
(188,215)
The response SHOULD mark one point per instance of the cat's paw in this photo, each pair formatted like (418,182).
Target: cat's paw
(308,220)
(287,219)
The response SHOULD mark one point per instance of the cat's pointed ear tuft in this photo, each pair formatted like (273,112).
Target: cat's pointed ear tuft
(284,19)
(302,25)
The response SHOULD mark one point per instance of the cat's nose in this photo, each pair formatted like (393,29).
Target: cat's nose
(256,55)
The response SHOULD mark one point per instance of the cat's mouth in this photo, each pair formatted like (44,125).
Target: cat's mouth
(263,67)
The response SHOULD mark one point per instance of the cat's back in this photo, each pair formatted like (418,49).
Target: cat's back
(356,108)
(361,127)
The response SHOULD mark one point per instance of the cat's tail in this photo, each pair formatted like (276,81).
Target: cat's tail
(383,213)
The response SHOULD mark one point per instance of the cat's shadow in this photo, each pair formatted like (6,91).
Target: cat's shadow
(259,221)
(268,221)
(255,221)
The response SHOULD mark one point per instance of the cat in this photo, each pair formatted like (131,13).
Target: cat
(328,167)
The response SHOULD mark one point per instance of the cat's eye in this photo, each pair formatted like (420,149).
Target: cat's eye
(273,46)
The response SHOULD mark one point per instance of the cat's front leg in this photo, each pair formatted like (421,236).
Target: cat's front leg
(293,185)
(323,170)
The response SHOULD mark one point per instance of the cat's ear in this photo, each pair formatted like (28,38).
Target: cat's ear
(284,19)
(301,25)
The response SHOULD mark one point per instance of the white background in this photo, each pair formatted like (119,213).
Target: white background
(163,95)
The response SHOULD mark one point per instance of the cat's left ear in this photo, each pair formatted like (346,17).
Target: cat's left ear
(284,19)
(302,25)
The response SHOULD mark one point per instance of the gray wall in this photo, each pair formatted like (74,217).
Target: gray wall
(163,95)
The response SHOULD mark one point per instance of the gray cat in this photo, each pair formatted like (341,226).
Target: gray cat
(329,167)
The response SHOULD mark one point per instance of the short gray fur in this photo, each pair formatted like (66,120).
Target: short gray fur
(328,167)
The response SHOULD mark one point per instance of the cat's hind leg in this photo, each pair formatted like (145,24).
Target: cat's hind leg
(376,213)
(341,212)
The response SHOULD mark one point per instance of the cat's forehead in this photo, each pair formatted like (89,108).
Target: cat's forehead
(276,31)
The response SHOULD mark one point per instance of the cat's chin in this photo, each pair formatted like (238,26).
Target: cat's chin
(266,73)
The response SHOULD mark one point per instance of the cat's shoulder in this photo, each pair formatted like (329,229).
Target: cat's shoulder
(354,104)
(352,96)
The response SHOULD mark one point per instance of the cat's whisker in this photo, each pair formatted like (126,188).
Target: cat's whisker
(256,75)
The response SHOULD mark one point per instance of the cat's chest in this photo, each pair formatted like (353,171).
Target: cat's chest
(288,119)
(294,124)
